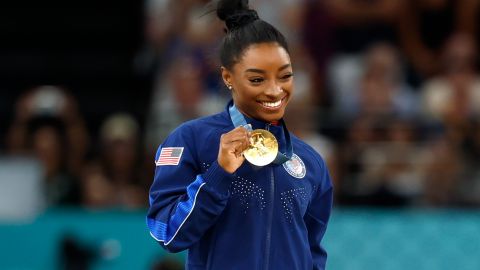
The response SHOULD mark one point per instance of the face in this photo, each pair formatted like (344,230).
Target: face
(46,142)
(262,81)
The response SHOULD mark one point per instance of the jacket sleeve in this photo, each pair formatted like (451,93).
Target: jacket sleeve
(317,216)
(184,204)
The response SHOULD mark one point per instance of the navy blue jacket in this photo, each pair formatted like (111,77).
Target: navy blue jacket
(271,217)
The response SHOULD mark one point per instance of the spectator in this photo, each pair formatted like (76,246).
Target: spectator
(380,89)
(53,102)
(48,125)
(182,96)
(454,95)
(47,141)
(425,25)
(469,192)
(115,179)
(358,24)
(443,172)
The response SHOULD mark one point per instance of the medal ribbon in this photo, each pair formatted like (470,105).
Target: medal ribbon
(239,120)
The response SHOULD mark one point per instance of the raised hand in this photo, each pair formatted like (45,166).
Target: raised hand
(232,145)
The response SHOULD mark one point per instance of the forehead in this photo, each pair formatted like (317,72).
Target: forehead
(264,55)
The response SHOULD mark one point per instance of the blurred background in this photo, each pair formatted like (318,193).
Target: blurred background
(388,91)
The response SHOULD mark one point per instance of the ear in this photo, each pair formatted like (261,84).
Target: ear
(227,76)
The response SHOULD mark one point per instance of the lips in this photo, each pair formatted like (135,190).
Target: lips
(272,104)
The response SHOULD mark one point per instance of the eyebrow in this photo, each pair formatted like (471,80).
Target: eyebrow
(256,70)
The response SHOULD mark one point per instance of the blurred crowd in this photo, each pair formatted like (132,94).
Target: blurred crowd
(388,91)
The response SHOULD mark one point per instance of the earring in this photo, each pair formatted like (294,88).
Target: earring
(229,86)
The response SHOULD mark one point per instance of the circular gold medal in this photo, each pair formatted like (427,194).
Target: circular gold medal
(263,148)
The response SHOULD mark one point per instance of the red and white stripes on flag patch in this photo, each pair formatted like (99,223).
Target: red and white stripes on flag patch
(169,156)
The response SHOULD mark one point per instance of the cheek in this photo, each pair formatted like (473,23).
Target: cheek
(289,85)
(246,92)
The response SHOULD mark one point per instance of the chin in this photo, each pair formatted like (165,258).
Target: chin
(271,117)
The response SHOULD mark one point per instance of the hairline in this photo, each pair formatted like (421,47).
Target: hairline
(242,54)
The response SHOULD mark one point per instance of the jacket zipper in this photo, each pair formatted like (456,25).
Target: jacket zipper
(270,216)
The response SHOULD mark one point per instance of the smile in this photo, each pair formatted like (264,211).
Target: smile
(272,105)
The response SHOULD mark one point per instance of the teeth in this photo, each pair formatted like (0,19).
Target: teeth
(272,104)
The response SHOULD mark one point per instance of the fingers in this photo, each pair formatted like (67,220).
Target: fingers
(238,147)
(238,134)
(236,141)
(232,145)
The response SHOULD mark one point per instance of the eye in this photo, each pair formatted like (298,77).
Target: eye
(287,76)
(256,80)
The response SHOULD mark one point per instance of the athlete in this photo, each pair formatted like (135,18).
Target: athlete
(208,199)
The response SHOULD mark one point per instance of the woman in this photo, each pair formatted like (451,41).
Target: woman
(208,199)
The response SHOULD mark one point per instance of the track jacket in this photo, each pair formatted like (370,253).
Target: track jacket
(265,218)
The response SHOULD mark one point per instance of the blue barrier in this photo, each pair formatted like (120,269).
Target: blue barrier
(356,239)
(407,239)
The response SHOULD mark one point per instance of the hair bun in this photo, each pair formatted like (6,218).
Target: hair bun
(241,18)
(235,13)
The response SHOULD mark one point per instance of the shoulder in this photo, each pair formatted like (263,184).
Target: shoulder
(215,121)
(202,128)
(194,135)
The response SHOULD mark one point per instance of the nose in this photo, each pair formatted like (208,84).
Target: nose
(274,90)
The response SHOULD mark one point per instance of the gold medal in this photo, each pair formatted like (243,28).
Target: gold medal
(263,148)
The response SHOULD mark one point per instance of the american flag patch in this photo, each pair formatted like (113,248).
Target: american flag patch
(169,156)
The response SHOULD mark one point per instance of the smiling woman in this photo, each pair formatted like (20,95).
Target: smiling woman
(269,212)
(261,82)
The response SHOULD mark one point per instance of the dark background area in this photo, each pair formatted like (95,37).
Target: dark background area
(87,47)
